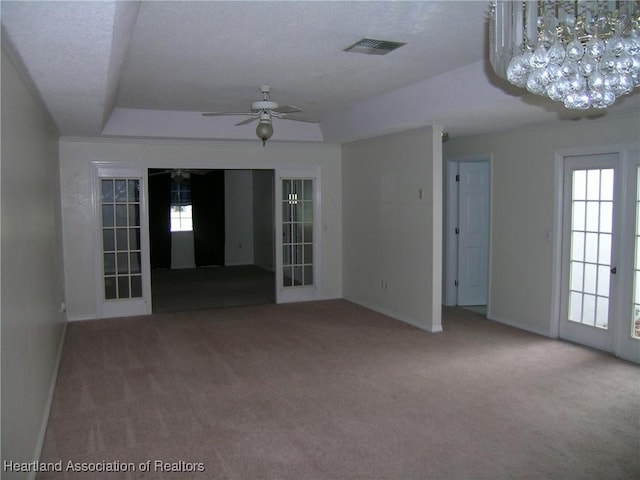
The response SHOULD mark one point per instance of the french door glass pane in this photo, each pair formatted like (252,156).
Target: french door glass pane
(591,227)
(297,232)
(636,283)
(120,206)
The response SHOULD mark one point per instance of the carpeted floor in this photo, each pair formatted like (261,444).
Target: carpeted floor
(331,390)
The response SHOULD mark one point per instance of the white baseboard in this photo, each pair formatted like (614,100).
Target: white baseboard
(47,411)
(390,313)
(79,318)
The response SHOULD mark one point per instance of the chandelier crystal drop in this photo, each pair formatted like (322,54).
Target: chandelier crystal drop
(584,53)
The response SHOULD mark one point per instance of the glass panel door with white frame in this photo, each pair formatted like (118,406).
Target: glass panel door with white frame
(297,232)
(122,282)
(591,232)
(121,238)
(635,319)
(589,240)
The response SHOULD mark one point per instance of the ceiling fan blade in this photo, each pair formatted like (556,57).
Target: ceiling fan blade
(294,119)
(222,114)
(287,109)
(248,120)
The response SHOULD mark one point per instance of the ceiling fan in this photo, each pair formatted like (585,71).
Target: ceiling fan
(179,175)
(263,111)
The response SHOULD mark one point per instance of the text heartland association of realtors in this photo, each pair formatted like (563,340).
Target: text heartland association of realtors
(103,466)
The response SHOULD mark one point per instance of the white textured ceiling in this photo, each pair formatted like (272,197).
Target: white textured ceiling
(213,56)
(149,68)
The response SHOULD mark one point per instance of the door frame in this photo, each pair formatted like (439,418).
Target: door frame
(623,346)
(589,335)
(450,270)
(304,293)
(122,308)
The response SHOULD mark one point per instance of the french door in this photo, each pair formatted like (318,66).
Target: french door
(123,283)
(297,245)
(599,243)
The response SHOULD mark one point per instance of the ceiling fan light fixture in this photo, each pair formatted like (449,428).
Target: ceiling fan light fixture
(263,111)
(264,130)
(179,176)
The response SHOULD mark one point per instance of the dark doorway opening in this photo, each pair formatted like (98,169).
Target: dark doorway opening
(211,238)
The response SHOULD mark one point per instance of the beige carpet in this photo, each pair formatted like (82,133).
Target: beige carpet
(331,390)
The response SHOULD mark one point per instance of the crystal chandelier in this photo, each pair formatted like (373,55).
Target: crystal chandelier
(584,53)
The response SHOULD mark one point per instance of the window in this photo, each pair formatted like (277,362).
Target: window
(181,208)
(297,229)
(591,232)
(121,245)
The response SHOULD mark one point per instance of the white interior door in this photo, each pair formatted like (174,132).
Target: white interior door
(450,277)
(123,283)
(588,306)
(473,233)
(298,235)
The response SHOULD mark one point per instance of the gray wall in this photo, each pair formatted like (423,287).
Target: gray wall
(392,225)
(182,250)
(78,214)
(263,218)
(238,192)
(522,211)
(32,279)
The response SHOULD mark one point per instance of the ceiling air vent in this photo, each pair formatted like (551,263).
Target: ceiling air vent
(370,46)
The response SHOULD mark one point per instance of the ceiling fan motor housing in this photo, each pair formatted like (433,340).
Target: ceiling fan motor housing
(265,116)
(263,105)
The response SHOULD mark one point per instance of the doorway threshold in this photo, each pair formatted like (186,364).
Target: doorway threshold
(481,309)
